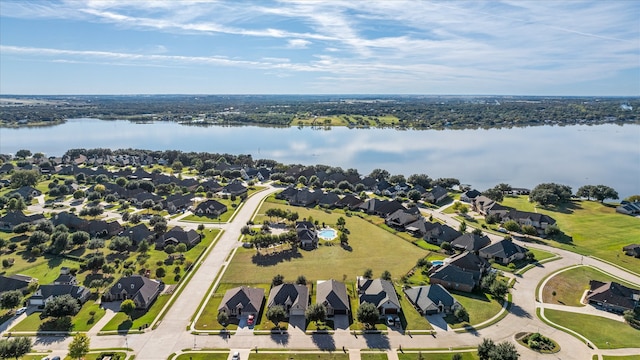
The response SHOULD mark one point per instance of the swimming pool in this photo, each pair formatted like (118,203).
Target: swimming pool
(437,262)
(327,234)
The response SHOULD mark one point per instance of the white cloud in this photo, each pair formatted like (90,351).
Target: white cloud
(298,43)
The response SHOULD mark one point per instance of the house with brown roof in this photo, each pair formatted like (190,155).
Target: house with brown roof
(293,297)
(612,296)
(143,291)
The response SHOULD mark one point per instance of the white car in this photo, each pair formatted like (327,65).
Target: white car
(390,321)
(21,311)
(236,356)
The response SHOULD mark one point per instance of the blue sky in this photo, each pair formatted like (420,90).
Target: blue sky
(320,47)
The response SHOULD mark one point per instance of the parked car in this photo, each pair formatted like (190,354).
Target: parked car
(390,320)
(250,320)
(21,311)
(236,356)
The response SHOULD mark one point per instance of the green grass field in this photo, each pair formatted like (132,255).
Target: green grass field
(373,356)
(571,284)
(82,321)
(628,357)
(596,229)
(438,356)
(337,355)
(410,317)
(203,356)
(371,247)
(602,332)
(481,307)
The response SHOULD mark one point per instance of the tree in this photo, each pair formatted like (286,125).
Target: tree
(147,204)
(494,194)
(386,275)
(170,249)
(485,348)
(120,244)
(79,346)
(340,223)
(38,237)
(161,272)
(414,195)
(23,153)
(21,228)
(60,306)
(463,227)
(368,314)
(79,237)
(21,178)
(446,246)
(127,307)
(316,313)
(277,280)
(379,174)
(301,280)
(504,351)
(181,248)
(223,318)
(95,244)
(511,225)
(456,356)
(461,314)
(95,262)
(10,299)
(550,194)
(585,191)
(499,289)
(276,314)
(15,348)
(420,179)
(368,274)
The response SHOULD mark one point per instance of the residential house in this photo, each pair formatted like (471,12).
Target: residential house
(432,299)
(293,297)
(350,202)
(305,197)
(307,234)
(65,277)
(210,208)
(142,290)
(470,242)
(15,282)
(629,208)
(437,233)
(537,220)
(435,195)
(452,277)
(27,192)
(503,252)
(400,218)
(333,295)
(469,195)
(612,296)
(138,233)
(382,208)
(235,188)
(13,218)
(328,200)
(242,301)
(178,235)
(380,293)
(177,202)
(46,293)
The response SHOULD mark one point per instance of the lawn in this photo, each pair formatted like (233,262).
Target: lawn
(299,356)
(208,318)
(481,307)
(570,285)
(466,355)
(373,356)
(596,229)
(602,332)
(628,357)
(82,321)
(121,322)
(202,356)
(370,247)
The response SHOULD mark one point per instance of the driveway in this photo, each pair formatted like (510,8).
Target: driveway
(297,323)
(437,321)
(341,322)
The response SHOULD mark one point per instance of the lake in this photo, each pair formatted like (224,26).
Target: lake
(522,157)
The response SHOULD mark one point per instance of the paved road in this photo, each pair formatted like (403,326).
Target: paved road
(172,336)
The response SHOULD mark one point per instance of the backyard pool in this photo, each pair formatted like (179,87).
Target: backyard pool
(437,262)
(327,234)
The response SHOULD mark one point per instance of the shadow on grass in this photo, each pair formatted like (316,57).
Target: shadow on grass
(275,258)
(564,208)
(324,341)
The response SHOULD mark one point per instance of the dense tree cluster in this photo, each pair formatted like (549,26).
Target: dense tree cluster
(550,194)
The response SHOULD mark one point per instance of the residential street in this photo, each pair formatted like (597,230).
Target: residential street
(172,334)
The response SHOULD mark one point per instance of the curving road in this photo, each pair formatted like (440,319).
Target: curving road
(172,334)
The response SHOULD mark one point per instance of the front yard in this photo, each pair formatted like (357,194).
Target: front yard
(82,321)
(139,318)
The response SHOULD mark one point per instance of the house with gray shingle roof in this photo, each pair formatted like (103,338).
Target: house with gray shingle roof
(46,293)
(242,301)
(143,291)
(210,208)
(15,282)
(380,293)
(613,296)
(470,242)
(333,295)
(293,297)
(13,218)
(431,299)
(452,277)
(503,252)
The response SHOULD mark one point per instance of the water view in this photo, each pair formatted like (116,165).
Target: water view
(522,157)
